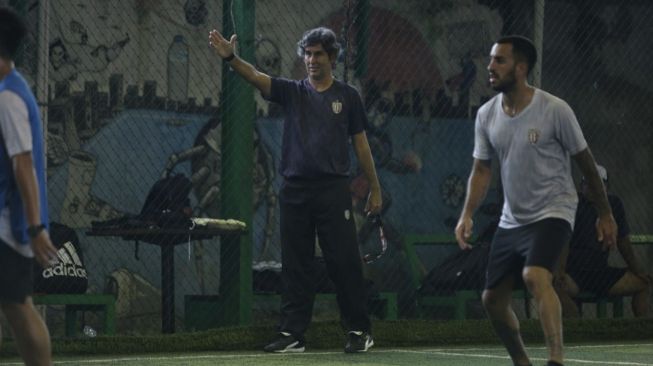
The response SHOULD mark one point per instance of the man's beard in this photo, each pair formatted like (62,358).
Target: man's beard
(506,85)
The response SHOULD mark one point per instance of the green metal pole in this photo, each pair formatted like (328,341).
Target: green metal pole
(362,21)
(238,117)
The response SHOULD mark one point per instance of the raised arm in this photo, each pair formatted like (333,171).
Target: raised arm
(226,50)
(606,227)
(477,187)
(366,162)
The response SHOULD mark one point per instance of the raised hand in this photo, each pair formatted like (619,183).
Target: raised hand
(222,47)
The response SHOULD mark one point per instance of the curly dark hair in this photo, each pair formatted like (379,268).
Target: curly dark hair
(322,35)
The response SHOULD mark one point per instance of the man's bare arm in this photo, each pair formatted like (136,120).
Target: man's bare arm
(606,227)
(477,187)
(626,250)
(366,162)
(28,187)
(597,194)
(23,165)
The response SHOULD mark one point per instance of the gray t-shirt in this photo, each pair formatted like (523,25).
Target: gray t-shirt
(534,150)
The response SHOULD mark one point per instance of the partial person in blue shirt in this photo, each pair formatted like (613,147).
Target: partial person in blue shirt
(23,202)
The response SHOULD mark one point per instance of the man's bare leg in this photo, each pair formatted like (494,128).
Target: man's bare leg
(567,289)
(539,282)
(32,337)
(639,288)
(498,305)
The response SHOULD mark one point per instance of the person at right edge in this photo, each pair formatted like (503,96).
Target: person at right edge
(584,266)
(533,134)
(323,115)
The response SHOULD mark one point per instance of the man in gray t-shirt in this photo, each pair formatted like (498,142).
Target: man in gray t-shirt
(533,148)
(533,134)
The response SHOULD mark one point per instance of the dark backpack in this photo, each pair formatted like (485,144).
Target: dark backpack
(168,203)
(463,270)
(69,275)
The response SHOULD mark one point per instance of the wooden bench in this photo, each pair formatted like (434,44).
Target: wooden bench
(457,300)
(82,302)
(388,301)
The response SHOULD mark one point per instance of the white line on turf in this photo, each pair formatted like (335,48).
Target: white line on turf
(567,360)
(164,358)
(541,348)
(441,351)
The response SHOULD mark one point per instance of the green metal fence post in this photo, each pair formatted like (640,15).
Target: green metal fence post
(361,16)
(238,113)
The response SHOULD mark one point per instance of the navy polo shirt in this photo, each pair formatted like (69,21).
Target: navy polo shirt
(317,128)
(585,252)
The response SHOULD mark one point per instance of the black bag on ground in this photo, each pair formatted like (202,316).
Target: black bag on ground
(69,275)
(463,270)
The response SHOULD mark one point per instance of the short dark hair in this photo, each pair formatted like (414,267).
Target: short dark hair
(322,35)
(12,32)
(523,49)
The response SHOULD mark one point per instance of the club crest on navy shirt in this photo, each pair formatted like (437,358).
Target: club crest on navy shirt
(336,106)
(533,135)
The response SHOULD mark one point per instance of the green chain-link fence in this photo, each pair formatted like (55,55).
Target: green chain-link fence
(132,93)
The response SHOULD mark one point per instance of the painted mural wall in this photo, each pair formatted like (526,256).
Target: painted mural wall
(134,89)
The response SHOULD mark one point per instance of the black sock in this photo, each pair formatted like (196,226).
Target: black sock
(553,363)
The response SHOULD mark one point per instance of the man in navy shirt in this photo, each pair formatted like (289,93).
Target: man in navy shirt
(586,267)
(322,116)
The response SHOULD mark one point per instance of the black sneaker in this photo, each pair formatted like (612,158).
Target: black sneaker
(285,343)
(358,342)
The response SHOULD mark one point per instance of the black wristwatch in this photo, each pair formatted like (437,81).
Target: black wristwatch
(34,230)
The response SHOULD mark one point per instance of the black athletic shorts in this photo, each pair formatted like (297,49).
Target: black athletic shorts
(16,275)
(597,281)
(536,244)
